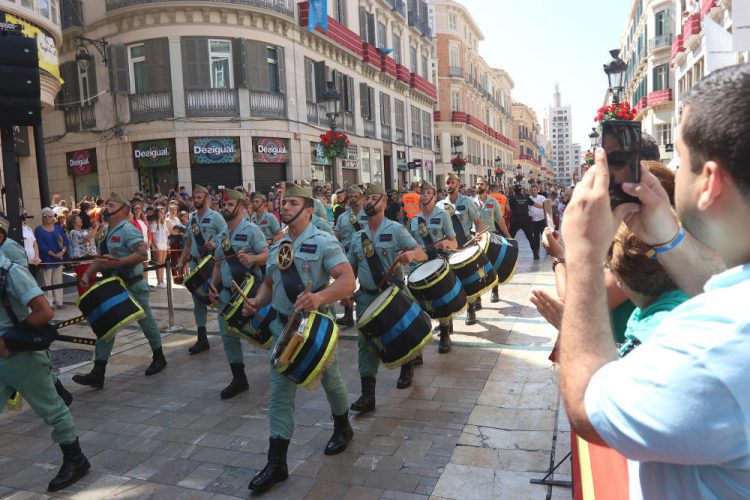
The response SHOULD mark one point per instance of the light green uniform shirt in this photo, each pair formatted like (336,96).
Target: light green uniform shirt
(246,236)
(315,254)
(489,211)
(438,223)
(322,224)
(319,209)
(268,223)
(466,210)
(122,240)
(345,227)
(209,225)
(21,288)
(15,252)
(389,239)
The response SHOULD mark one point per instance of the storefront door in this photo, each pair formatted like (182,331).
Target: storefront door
(214,176)
(267,175)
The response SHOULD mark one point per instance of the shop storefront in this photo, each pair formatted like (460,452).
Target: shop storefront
(82,166)
(403,170)
(215,161)
(415,167)
(350,167)
(156,163)
(270,158)
(322,167)
(429,171)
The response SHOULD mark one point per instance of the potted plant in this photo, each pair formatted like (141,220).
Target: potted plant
(335,144)
(458,162)
(621,111)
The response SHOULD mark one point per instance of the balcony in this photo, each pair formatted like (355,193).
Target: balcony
(677,46)
(71,13)
(402,73)
(211,102)
(458,116)
(79,118)
(388,66)
(269,104)
(455,71)
(530,158)
(416,139)
(641,104)
(385,131)
(337,32)
(659,97)
(691,27)
(421,85)
(370,54)
(400,135)
(348,122)
(660,41)
(369,128)
(316,113)
(283,7)
(436,116)
(150,106)
(706,6)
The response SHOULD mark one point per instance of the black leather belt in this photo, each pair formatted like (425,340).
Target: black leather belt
(132,281)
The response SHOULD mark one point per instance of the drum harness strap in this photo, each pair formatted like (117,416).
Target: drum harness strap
(292,282)
(376,266)
(461,238)
(354,222)
(200,241)
(120,272)
(237,268)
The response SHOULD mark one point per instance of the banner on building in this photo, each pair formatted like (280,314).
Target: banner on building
(270,150)
(48,60)
(82,162)
(741,26)
(214,150)
(150,154)
(318,15)
(719,52)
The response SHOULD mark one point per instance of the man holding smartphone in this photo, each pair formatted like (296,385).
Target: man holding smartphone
(538,218)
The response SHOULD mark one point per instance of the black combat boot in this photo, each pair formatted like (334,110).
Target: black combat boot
(238,383)
(471,316)
(445,340)
(366,401)
(418,361)
(347,319)
(158,363)
(407,372)
(202,343)
(95,378)
(275,470)
(342,434)
(495,297)
(74,467)
(478,304)
(66,396)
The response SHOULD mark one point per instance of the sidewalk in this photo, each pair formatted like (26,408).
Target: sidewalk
(477,423)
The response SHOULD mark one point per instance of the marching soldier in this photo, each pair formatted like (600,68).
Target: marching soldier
(304,255)
(124,256)
(241,249)
(347,224)
(29,371)
(463,213)
(322,224)
(264,219)
(433,231)
(492,217)
(373,250)
(205,224)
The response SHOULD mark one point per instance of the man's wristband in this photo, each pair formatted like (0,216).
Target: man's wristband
(557,261)
(665,247)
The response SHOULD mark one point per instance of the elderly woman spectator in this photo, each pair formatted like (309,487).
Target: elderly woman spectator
(53,245)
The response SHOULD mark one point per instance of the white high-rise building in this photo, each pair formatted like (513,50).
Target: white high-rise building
(559,126)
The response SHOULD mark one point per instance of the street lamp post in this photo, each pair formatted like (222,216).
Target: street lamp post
(499,170)
(615,71)
(594,138)
(332,99)
(457,151)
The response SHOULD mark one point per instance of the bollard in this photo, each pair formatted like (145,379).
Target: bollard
(172,328)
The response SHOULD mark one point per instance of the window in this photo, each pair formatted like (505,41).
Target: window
(425,69)
(385,109)
(364,159)
(137,69)
(83,82)
(339,11)
(455,100)
(274,82)
(453,22)
(367,101)
(309,80)
(413,58)
(399,112)
(454,56)
(663,133)
(661,77)
(382,42)
(219,56)
(397,48)
(661,23)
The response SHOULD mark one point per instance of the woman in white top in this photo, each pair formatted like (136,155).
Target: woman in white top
(159,244)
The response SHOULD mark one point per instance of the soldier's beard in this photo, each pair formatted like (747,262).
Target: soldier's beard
(480,190)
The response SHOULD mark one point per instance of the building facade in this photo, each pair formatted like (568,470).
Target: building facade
(229,93)
(474,104)
(558,125)
(38,19)
(527,158)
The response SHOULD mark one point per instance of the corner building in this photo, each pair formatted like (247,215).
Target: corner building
(228,93)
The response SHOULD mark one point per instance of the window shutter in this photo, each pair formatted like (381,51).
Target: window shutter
(363,23)
(195,64)
(91,74)
(119,72)
(158,73)
(319,75)
(238,60)
(371,102)
(256,62)
(70,91)
(364,107)
(371,29)
(350,94)
(282,70)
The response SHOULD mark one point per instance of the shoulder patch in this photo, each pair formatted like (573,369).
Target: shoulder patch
(115,239)
(461,207)
(308,248)
(386,237)
(206,220)
(490,205)
(240,237)
(435,220)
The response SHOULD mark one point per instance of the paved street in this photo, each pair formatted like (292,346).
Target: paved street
(477,423)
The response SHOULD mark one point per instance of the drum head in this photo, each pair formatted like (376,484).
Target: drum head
(377,302)
(463,255)
(426,270)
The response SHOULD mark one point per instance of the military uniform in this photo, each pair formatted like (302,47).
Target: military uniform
(205,227)
(319,209)
(348,224)
(489,212)
(322,224)
(465,212)
(30,373)
(268,223)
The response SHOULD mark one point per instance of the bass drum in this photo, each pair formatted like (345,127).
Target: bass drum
(503,255)
(474,270)
(108,306)
(303,356)
(197,280)
(255,329)
(395,326)
(437,289)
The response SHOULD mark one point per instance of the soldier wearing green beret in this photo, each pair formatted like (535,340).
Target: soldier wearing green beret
(241,249)
(124,256)
(433,230)
(389,242)
(351,221)
(265,220)
(204,226)
(463,213)
(316,257)
(492,217)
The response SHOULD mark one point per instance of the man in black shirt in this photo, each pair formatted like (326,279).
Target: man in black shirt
(393,207)
(520,218)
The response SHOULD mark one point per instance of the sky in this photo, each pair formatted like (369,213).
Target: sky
(544,42)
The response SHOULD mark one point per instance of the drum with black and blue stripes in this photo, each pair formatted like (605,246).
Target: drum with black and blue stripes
(108,306)
(437,289)
(474,270)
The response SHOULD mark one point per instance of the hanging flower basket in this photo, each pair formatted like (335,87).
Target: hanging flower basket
(621,111)
(519,176)
(335,144)
(498,171)
(458,162)
(589,158)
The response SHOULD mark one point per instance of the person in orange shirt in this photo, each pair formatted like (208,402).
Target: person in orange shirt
(410,202)
(502,200)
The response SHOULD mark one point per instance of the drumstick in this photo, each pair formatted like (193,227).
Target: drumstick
(296,339)
(389,272)
(471,241)
(239,290)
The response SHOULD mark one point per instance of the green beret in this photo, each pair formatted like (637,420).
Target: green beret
(118,199)
(231,194)
(299,191)
(453,177)
(481,180)
(375,189)
(199,189)
(355,189)
(260,196)
(426,185)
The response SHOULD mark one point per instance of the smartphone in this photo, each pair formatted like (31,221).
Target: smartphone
(621,140)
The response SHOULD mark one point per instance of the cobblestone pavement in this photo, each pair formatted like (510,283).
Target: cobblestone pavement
(477,423)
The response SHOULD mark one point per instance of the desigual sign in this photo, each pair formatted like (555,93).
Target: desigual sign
(270,150)
(214,150)
(159,153)
(81,162)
